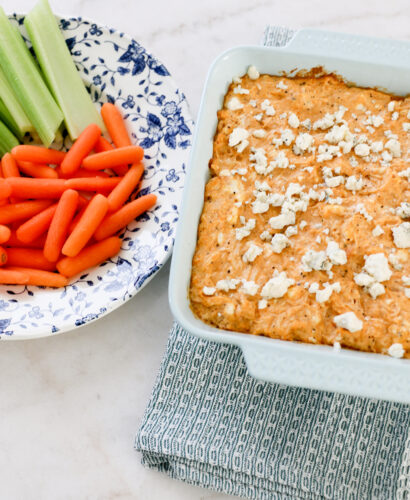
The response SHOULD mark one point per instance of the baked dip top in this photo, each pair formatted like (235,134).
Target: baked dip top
(305,229)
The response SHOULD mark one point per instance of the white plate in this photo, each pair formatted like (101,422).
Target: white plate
(368,62)
(116,68)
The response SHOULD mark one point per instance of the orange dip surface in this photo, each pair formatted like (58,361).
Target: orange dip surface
(305,229)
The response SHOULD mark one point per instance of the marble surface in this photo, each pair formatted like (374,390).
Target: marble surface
(70,405)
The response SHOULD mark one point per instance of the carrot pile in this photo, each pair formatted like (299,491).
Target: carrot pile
(60,213)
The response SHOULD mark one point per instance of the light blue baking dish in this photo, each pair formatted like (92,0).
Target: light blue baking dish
(368,62)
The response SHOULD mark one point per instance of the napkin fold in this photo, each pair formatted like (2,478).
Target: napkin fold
(211,424)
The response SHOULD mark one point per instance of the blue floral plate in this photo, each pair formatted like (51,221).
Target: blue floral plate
(118,69)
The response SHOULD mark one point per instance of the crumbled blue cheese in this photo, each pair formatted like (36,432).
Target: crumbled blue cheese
(227,284)
(245,230)
(282,220)
(401,235)
(252,252)
(361,209)
(268,108)
(337,133)
(239,90)
(291,231)
(234,104)
(277,286)
(391,106)
(315,261)
(334,181)
(327,152)
(362,149)
(395,116)
(259,133)
(324,123)
(395,261)
(353,183)
(377,266)
(405,173)
(396,351)
(279,242)
(324,294)
(393,145)
(376,147)
(258,117)
(281,161)
(260,161)
(238,138)
(208,290)
(293,120)
(375,270)
(377,231)
(265,236)
(348,321)
(253,73)
(307,124)
(336,255)
(262,304)
(303,143)
(249,287)
(302,224)
(281,85)
(403,210)
(406,127)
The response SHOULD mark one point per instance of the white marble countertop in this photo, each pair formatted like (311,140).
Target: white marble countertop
(70,405)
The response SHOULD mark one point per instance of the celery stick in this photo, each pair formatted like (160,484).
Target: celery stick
(7,140)
(24,77)
(12,104)
(59,70)
(8,120)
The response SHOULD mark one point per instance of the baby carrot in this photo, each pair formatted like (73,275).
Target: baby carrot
(76,219)
(37,154)
(115,125)
(22,210)
(80,149)
(89,257)
(29,257)
(38,277)
(118,220)
(23,187)
(37,225)
(16,243)
(9,166)
(91,219)
(81,172)
(4,234)
(57,232)
(103,145)
(93,183)
(113,158)
(121,192)
(5,189)
(3,256)
(37,170)
(11,277)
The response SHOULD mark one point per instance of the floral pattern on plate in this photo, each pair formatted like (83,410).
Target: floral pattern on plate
(117,69)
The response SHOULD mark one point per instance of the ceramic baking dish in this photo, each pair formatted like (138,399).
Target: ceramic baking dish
(368,62)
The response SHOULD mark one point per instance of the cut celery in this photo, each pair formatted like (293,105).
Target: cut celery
(24,77)
(7,140)
(6,117)
(12,104)
(59,70)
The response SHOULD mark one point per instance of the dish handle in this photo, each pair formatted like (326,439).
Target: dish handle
(346,46)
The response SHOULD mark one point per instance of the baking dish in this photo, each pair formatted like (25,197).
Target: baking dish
(368,62)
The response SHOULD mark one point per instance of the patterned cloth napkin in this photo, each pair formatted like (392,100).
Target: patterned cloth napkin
(211,424)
